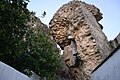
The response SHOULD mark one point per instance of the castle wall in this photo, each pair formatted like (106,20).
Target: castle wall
(77,22)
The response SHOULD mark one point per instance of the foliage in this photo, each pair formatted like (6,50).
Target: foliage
(43,55)
(12,30)
(22,47)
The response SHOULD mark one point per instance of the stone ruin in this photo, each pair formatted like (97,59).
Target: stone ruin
(76,29)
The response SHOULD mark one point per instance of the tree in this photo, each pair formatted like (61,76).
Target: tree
(13,18)
(22,47)
(43,55)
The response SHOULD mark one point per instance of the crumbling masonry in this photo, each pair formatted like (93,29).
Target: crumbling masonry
(76,29)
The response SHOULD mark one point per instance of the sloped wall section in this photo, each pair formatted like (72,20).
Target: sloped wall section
(9,73)
(110,68)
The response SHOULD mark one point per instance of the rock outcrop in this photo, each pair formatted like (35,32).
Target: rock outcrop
(76,30)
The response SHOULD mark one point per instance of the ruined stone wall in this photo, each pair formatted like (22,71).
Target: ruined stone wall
(36,23)
(76,30)
(115,43)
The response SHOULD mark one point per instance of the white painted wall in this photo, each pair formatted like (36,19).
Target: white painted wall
(9,73)
(110,70)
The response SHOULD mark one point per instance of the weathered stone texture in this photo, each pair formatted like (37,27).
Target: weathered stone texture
(36,23)
(76,29)
(115,43)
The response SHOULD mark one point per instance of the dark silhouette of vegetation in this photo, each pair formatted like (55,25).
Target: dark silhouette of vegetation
(22,47)
(43,14)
